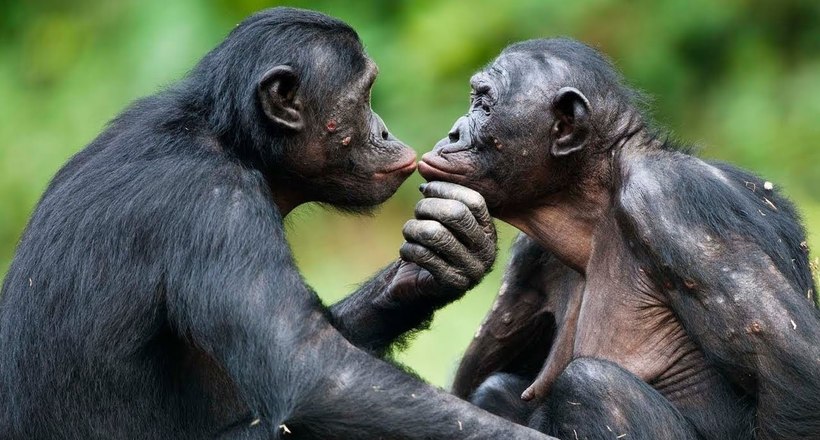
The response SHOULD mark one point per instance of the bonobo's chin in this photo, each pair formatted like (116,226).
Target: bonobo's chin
(431,170)
(365,210)
(365,199)
(358,204)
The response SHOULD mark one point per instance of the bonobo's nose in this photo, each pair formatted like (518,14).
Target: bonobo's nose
(457,139)
(379,129)
(455,132)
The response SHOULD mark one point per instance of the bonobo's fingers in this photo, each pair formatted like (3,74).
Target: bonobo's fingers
(443,272)
(439,205)
(434,236)
(473,200)
(452,224)
(458,218)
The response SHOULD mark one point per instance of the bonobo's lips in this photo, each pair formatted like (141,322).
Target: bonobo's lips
(404,169)
(434,167)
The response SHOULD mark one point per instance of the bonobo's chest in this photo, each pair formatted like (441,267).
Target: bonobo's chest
(625,318)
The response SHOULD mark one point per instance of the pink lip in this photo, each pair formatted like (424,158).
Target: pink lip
(431,168)
(405,168)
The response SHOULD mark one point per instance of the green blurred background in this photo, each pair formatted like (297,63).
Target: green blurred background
(741,78)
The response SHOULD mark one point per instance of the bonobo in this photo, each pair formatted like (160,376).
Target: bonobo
(660,295)
(154,296)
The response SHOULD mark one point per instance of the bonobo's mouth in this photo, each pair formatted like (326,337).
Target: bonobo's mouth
(434,167)
(404,169)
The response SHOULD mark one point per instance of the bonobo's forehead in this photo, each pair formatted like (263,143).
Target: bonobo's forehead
(371,70)
(357,89)
(365,80)
(335,62)
(519,71)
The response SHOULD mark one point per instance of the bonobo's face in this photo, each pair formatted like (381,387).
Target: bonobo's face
(343,153)
(505,146)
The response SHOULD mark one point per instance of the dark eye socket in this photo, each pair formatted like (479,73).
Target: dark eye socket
(482,89)
(480,98)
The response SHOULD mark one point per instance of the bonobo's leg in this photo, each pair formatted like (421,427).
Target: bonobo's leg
(594,399)
(500,394)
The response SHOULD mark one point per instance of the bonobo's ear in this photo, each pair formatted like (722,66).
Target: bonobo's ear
(570,132)
(277,93)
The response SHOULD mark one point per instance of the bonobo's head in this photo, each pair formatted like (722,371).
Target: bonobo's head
(289,91)
(542,119)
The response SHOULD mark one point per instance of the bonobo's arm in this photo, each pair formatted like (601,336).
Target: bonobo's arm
(233,289)
(531,324)
(450,245)
(518,329)
(748,312)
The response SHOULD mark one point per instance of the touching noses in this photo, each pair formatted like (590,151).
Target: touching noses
(458,139)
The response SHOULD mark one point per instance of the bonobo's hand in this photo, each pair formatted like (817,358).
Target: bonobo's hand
(451,245)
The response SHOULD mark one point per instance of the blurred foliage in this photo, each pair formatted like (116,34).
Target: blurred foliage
(741,77)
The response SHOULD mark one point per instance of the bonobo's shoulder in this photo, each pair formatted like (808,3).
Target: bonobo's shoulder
(675,187)
(655,183)
(673,203)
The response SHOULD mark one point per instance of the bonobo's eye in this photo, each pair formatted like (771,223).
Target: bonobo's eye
(481,99)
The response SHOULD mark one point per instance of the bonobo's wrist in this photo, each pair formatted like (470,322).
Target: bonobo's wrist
(386,309)
(413,289)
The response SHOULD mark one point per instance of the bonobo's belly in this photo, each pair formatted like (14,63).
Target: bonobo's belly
(645,338)
(626,320)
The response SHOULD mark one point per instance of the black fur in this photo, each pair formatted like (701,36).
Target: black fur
(153,294)
(696,315)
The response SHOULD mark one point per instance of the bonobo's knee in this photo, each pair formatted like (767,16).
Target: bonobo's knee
(597,399)
(500,394)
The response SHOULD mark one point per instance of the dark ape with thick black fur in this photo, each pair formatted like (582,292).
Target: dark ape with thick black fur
(153,294)
(654,294)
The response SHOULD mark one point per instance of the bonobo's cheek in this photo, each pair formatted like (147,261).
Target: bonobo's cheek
(383,169)
(467,168)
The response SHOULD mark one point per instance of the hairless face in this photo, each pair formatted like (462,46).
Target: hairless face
(528,126)
(343,152)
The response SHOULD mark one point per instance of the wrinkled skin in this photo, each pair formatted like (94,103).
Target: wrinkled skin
(344,155)
(450,246)
(154,294)
(504,130)
(667,297)
(452,236)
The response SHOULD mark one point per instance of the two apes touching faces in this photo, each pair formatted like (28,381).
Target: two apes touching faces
(652,294)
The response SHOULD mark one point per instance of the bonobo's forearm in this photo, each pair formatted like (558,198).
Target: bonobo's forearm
(449,247)
(378,315)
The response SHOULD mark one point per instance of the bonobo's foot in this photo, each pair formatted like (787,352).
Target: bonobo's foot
(451,245)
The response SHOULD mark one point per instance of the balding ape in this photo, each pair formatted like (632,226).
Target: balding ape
(660,295)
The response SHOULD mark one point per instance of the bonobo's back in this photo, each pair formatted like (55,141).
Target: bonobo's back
(89,333)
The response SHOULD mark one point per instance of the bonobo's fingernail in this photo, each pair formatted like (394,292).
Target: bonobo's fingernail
(527,394)
(422,187)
